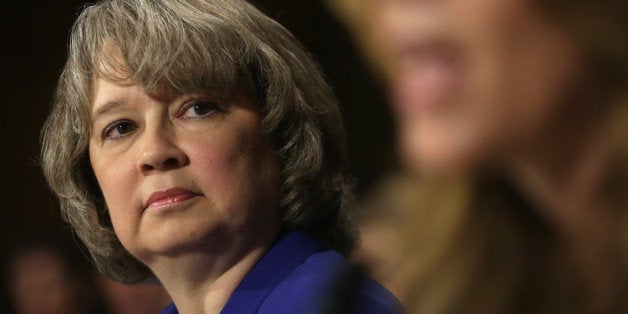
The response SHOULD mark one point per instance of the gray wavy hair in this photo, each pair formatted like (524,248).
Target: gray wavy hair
(180,46)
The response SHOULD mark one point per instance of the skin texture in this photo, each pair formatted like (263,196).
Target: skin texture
(208,145)
(472,79)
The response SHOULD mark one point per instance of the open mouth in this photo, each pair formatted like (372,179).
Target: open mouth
(428,77)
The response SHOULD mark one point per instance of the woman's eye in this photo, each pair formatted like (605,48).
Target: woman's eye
(119,129)
(199,109)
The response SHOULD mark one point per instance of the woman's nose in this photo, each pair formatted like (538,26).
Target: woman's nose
(160,151)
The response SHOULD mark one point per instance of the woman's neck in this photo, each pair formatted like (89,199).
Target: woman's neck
(202,282)
(564,179)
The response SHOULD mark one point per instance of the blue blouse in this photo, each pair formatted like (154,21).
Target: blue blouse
(300,274)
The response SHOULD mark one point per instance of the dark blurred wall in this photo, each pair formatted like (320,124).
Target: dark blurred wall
(34,50)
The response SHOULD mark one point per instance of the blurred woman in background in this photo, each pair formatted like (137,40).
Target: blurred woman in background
(47,276)
(513,125)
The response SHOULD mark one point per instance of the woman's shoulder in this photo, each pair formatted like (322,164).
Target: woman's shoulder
(326,283)
(300,274)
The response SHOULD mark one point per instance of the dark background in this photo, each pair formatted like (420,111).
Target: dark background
(34,36)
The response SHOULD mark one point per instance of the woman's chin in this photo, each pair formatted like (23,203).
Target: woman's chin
(170,244)
(437,155)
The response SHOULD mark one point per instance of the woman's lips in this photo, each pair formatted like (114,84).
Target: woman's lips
(169,197)
(428,78)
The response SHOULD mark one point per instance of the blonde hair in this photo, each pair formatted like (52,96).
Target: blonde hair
(181,46)
(475,244)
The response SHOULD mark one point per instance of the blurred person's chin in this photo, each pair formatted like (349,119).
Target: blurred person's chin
(439,133)
(438,150)
(442,130)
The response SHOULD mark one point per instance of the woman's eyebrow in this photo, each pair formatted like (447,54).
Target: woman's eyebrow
(107,107)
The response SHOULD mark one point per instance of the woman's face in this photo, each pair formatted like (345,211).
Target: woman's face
(182,174)
(471,79)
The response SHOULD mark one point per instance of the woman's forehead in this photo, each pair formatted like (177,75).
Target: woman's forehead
(208,76)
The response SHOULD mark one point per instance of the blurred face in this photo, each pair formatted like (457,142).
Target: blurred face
(182,174)
(41,282)
(471,79)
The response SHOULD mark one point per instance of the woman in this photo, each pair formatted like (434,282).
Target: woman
(512,118)
(195,143)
